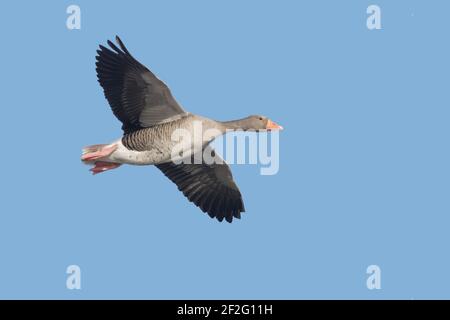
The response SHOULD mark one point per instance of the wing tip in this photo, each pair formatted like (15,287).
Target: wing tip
(121,45)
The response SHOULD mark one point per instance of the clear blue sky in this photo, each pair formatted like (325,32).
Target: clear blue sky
(364,173)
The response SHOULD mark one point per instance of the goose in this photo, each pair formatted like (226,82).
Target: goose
(149,115)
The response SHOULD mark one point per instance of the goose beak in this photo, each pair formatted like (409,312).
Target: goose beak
(273,126)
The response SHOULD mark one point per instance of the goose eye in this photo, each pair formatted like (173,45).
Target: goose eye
(260,118)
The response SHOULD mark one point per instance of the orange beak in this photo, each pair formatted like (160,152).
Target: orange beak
(273,126)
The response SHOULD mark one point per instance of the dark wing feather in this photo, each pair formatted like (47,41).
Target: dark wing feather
(209,186)
(136,96)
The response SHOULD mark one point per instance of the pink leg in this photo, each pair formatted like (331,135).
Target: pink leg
(101,166)
(100,153)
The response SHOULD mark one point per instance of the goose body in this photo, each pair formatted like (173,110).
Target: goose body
(150,117)
(154,145)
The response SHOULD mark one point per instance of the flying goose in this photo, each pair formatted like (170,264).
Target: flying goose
(149,115)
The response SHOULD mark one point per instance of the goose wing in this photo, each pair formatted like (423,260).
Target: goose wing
(209,186)
(136,96)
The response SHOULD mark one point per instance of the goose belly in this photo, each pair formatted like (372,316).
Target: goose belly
(154,155)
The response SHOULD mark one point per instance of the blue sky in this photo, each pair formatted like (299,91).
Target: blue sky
(364,174)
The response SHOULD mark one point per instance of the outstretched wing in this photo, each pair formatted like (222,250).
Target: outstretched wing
(136,96)
(208,186)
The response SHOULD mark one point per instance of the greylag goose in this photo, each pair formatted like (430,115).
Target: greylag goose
(149,115)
